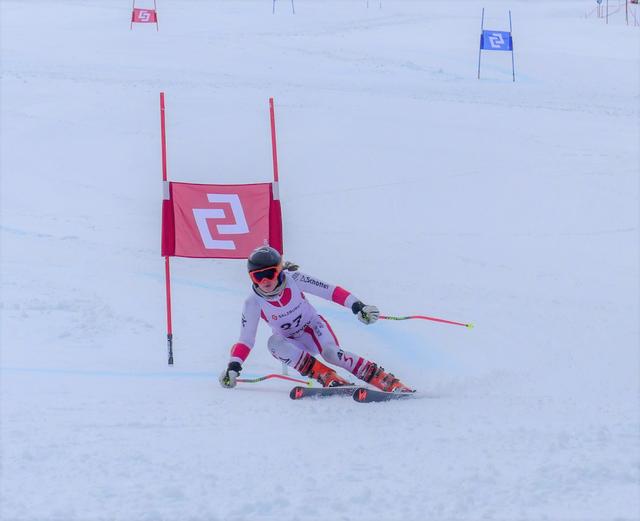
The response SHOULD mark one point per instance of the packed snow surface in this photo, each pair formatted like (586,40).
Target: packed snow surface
(404,179)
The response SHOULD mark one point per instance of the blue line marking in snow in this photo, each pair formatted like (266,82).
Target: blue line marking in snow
(20,231)
(411,345)
(169,373)
(189,282)
(121,374)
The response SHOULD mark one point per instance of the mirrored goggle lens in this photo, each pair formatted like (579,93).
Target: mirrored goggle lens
(268,274)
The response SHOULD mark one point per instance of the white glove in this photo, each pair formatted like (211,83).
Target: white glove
(229,376)
(366,314)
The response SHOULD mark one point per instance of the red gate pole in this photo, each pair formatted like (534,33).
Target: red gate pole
(167,270)
(155,9)
(133,7)
(276,188)
(275,213)
(274,148)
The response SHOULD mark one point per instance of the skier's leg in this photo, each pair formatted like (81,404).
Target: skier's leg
(329,348)
(361,368)
(298,353)
(288,351)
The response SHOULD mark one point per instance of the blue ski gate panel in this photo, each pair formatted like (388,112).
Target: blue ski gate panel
(496,41)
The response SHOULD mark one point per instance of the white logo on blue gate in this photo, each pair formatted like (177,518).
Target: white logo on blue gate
(496,40)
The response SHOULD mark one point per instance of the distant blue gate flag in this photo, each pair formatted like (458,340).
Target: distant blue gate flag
(496,41)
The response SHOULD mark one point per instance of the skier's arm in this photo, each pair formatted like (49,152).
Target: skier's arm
(241,349)
(250,318)
(319,288)
(366,314)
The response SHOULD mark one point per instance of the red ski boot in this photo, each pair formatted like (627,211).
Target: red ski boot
(376,376)
(318,371)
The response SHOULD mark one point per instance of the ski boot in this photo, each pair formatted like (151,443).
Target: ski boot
(315,369)
(376,376)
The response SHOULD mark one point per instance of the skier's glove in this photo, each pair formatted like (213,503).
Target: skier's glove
(366,314)
(290,266)
(229,376)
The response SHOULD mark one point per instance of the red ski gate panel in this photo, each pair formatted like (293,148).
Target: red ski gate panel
(144,16)
(219,221)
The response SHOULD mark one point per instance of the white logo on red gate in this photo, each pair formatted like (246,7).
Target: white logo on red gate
(202,215)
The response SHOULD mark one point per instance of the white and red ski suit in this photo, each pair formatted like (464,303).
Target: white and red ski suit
(297,326)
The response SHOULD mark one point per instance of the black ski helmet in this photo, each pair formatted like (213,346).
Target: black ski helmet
(263,257)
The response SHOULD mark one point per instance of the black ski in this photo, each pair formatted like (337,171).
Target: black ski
(366,395)
(299,392)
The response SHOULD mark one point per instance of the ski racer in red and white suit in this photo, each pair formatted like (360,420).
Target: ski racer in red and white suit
(300,334)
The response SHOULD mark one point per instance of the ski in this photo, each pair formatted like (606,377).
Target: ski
(366,395)
(300,391)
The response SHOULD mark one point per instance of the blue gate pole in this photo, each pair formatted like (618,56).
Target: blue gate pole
(480,48)
(513,63)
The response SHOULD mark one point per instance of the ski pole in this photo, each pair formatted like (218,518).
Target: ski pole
(434,319)
(266,377)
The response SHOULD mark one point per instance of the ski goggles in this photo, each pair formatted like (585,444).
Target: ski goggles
(270,273)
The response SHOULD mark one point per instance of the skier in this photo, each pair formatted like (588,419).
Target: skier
(300,334)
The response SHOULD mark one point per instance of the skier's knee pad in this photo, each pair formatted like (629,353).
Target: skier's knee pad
(274,342)
(281,349)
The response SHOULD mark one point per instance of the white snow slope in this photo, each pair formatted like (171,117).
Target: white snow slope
(404,178)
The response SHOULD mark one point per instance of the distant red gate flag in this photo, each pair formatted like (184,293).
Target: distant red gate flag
(219,221)
(144,16)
